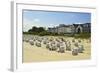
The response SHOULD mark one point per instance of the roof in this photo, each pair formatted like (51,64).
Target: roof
(75,25)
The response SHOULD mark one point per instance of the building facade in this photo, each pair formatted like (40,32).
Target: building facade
(71,29)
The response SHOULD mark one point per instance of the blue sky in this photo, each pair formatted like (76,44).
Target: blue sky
(51,19)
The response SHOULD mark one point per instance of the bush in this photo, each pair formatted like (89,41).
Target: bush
(44,33)
(83,35)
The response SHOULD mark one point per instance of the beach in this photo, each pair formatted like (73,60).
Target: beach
(32,53)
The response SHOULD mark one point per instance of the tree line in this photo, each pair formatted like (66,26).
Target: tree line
(38,31)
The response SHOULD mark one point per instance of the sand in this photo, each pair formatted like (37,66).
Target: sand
(41,54)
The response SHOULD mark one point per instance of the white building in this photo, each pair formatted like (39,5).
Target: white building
(74,28)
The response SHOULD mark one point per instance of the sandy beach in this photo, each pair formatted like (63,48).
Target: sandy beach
(32,53)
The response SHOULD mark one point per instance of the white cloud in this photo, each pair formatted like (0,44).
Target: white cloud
(36,20)
(52,25)
(28,24)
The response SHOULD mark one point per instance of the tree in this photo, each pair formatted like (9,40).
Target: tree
(41,29)
(36,29)
(30,30)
